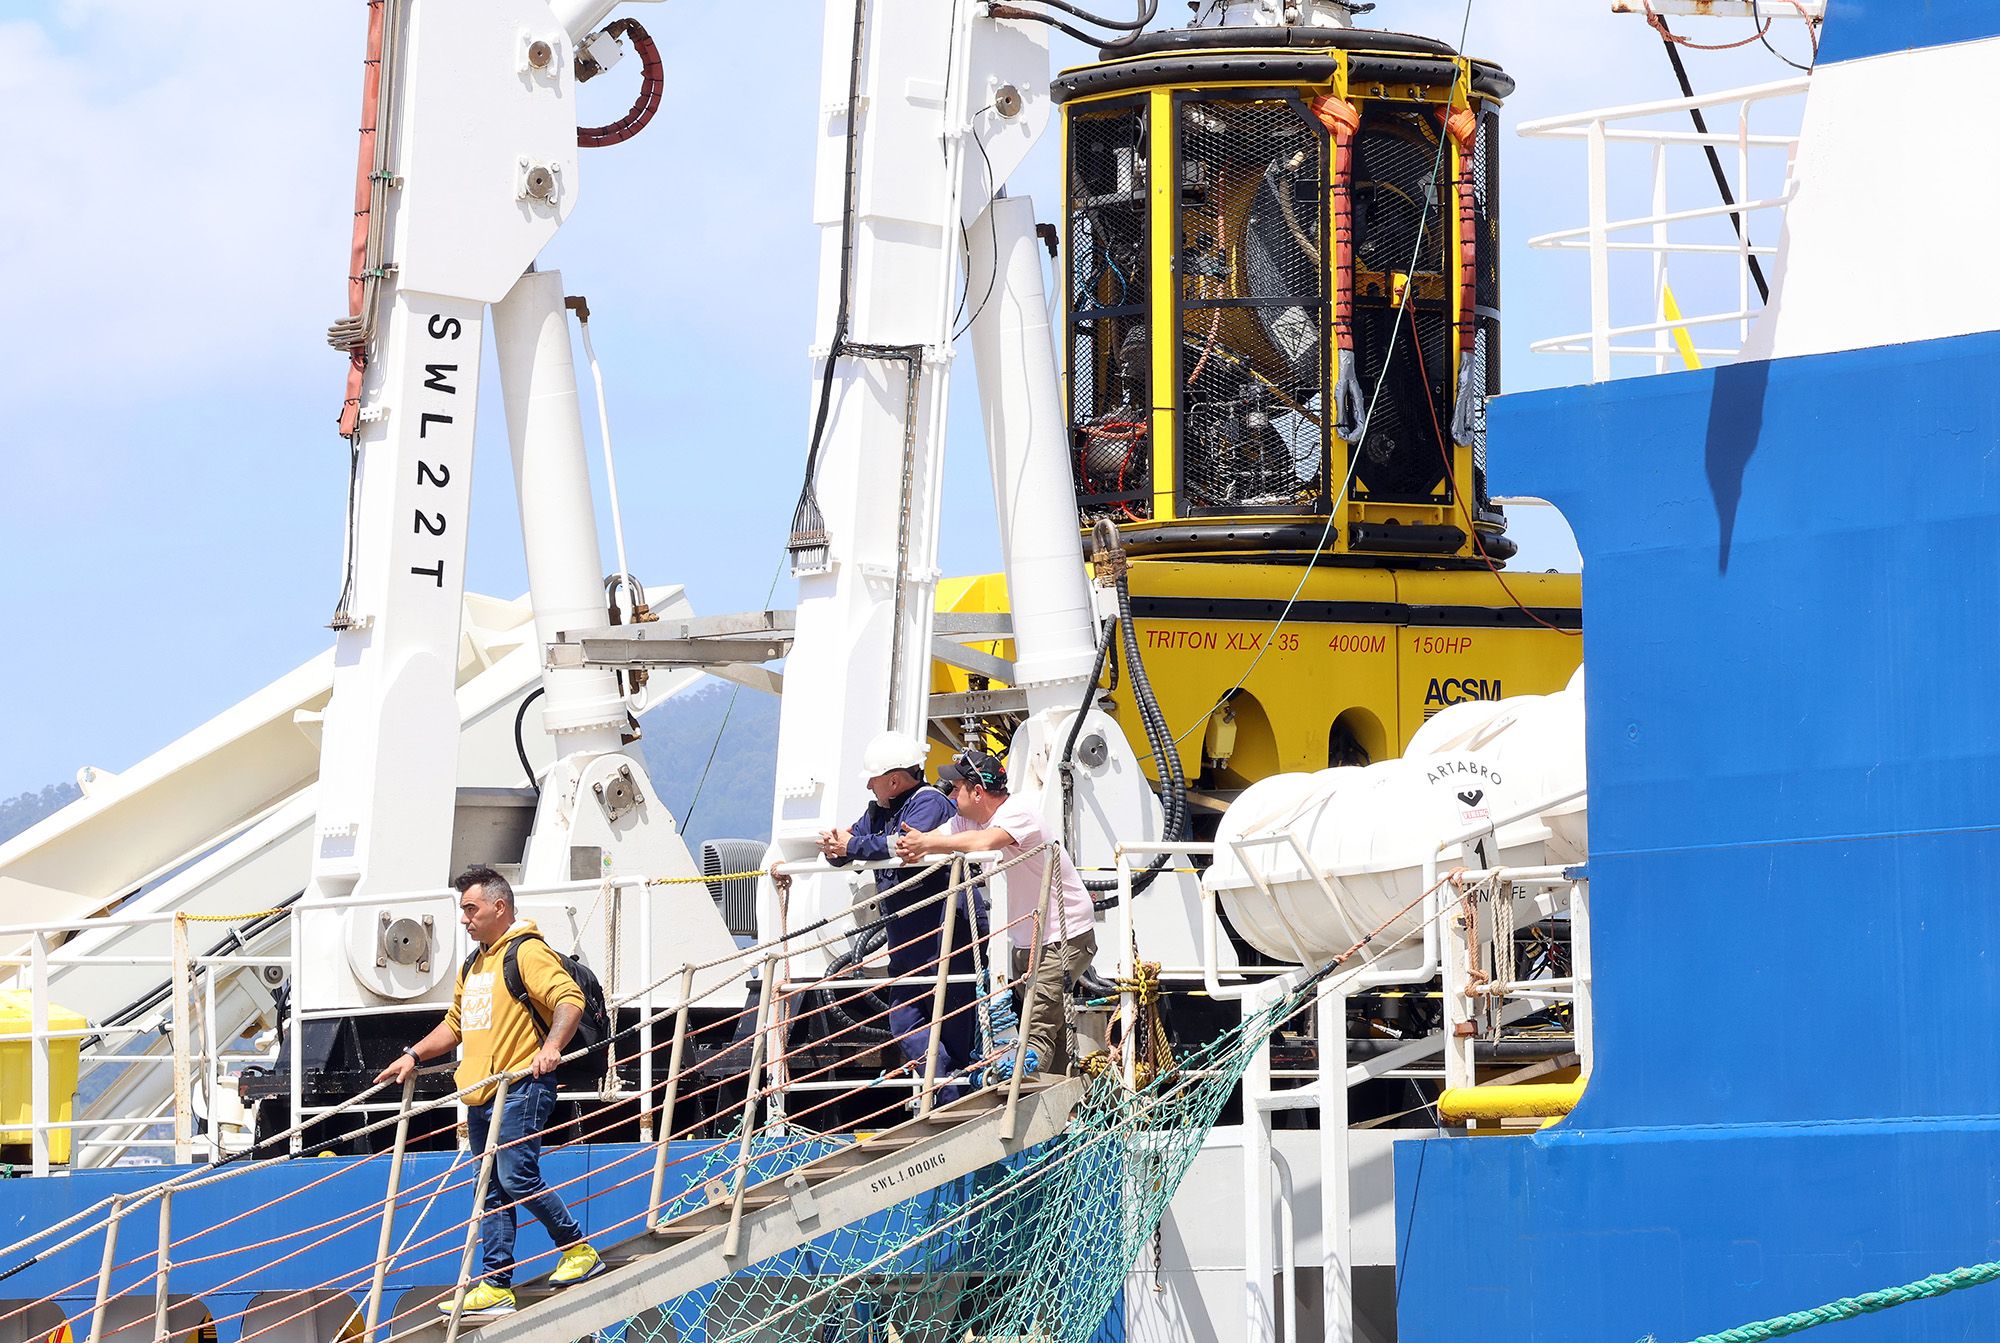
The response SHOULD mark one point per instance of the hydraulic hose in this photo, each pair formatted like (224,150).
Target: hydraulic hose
(1110,560)
(1128,29)
(521,741)
(865,1030)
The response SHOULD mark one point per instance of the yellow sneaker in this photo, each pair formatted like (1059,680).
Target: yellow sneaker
(578,1262)
(482,1299)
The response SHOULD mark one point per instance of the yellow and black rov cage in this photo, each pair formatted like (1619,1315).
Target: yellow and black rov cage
(1310,215)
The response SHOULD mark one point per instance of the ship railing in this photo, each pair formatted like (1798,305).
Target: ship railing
(1721,276)
(741,1134)
(1490,997)
(722,1122)
(1468,916)
(1476,912)
(1535,896)
(201,1064)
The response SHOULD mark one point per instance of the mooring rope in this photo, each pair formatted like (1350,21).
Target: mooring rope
(1852,1307)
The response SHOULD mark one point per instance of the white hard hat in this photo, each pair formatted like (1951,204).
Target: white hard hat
(892,750)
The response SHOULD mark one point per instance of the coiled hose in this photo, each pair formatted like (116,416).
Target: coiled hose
(1110,560)
(867,1029)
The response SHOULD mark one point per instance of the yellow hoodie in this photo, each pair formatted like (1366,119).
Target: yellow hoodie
(494,1029)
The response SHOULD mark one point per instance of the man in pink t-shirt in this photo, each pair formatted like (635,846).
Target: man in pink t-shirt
(990,819)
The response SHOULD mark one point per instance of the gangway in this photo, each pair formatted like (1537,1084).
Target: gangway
(786,1211)
(764,1164)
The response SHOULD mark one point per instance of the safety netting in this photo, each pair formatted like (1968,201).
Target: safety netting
(1035,1246)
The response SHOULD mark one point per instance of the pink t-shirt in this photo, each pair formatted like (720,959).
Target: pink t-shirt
(1026,881)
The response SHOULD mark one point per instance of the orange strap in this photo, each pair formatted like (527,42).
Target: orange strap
(1341,119)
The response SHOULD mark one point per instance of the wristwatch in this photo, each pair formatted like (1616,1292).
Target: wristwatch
(411,1050)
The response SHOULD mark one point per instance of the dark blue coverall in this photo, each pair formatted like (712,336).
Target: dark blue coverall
(914,933)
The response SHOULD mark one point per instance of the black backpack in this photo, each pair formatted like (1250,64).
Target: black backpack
(593,1032)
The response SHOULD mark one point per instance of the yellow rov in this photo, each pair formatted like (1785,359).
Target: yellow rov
(1299,468)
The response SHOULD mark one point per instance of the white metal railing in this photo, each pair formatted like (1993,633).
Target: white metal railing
(203,1049)
(185,974)
(1480,981)
(1443,893)
(1760,183)
(724,1154)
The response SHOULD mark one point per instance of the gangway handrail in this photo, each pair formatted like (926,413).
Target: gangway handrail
(756,951)
(213,1051)
(192,1179)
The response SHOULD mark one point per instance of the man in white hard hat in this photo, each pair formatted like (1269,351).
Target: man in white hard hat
(893,766)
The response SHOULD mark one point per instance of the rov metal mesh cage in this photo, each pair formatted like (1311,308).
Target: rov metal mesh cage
(1402,190)
(1252,321)
(1110,357)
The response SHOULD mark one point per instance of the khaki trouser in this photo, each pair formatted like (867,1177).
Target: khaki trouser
(1042,1015)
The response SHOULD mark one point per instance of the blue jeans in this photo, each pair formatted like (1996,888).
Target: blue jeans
(517,1176)
(915,938)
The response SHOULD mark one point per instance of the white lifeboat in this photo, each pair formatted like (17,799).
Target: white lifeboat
(1309,864)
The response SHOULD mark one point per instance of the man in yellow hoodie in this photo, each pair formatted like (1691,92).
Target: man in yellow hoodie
(500,1035)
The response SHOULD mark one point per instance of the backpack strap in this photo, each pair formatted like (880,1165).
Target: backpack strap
(510,971)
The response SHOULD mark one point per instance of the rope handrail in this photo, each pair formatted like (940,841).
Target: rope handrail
(1138,1127)
(196,1179)
(366,1213)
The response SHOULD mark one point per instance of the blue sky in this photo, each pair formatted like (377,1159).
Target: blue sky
(171,486)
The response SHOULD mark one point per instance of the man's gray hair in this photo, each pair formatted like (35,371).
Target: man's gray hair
(497,887)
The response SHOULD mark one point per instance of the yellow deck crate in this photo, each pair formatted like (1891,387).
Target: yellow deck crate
(17,1078)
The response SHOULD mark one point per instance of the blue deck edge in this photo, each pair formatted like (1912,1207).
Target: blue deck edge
(272,1241)
(1860,28)
(1792,588)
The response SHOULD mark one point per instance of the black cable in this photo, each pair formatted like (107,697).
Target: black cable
(1066,760)
(808,524)
(1159,739)
(1166,753)
(688,818)
(1136,25)
(993,232)
(965,249)
(865,1030)
(1145,14)
(520,742)
(1714,159)
(341,619)
(1764,36)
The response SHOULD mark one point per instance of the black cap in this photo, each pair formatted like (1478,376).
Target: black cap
(974,767)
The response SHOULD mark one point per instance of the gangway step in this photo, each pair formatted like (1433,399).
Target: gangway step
(846,1186)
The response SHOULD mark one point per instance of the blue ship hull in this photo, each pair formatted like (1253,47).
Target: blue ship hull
(1795,823)
(272,1242)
